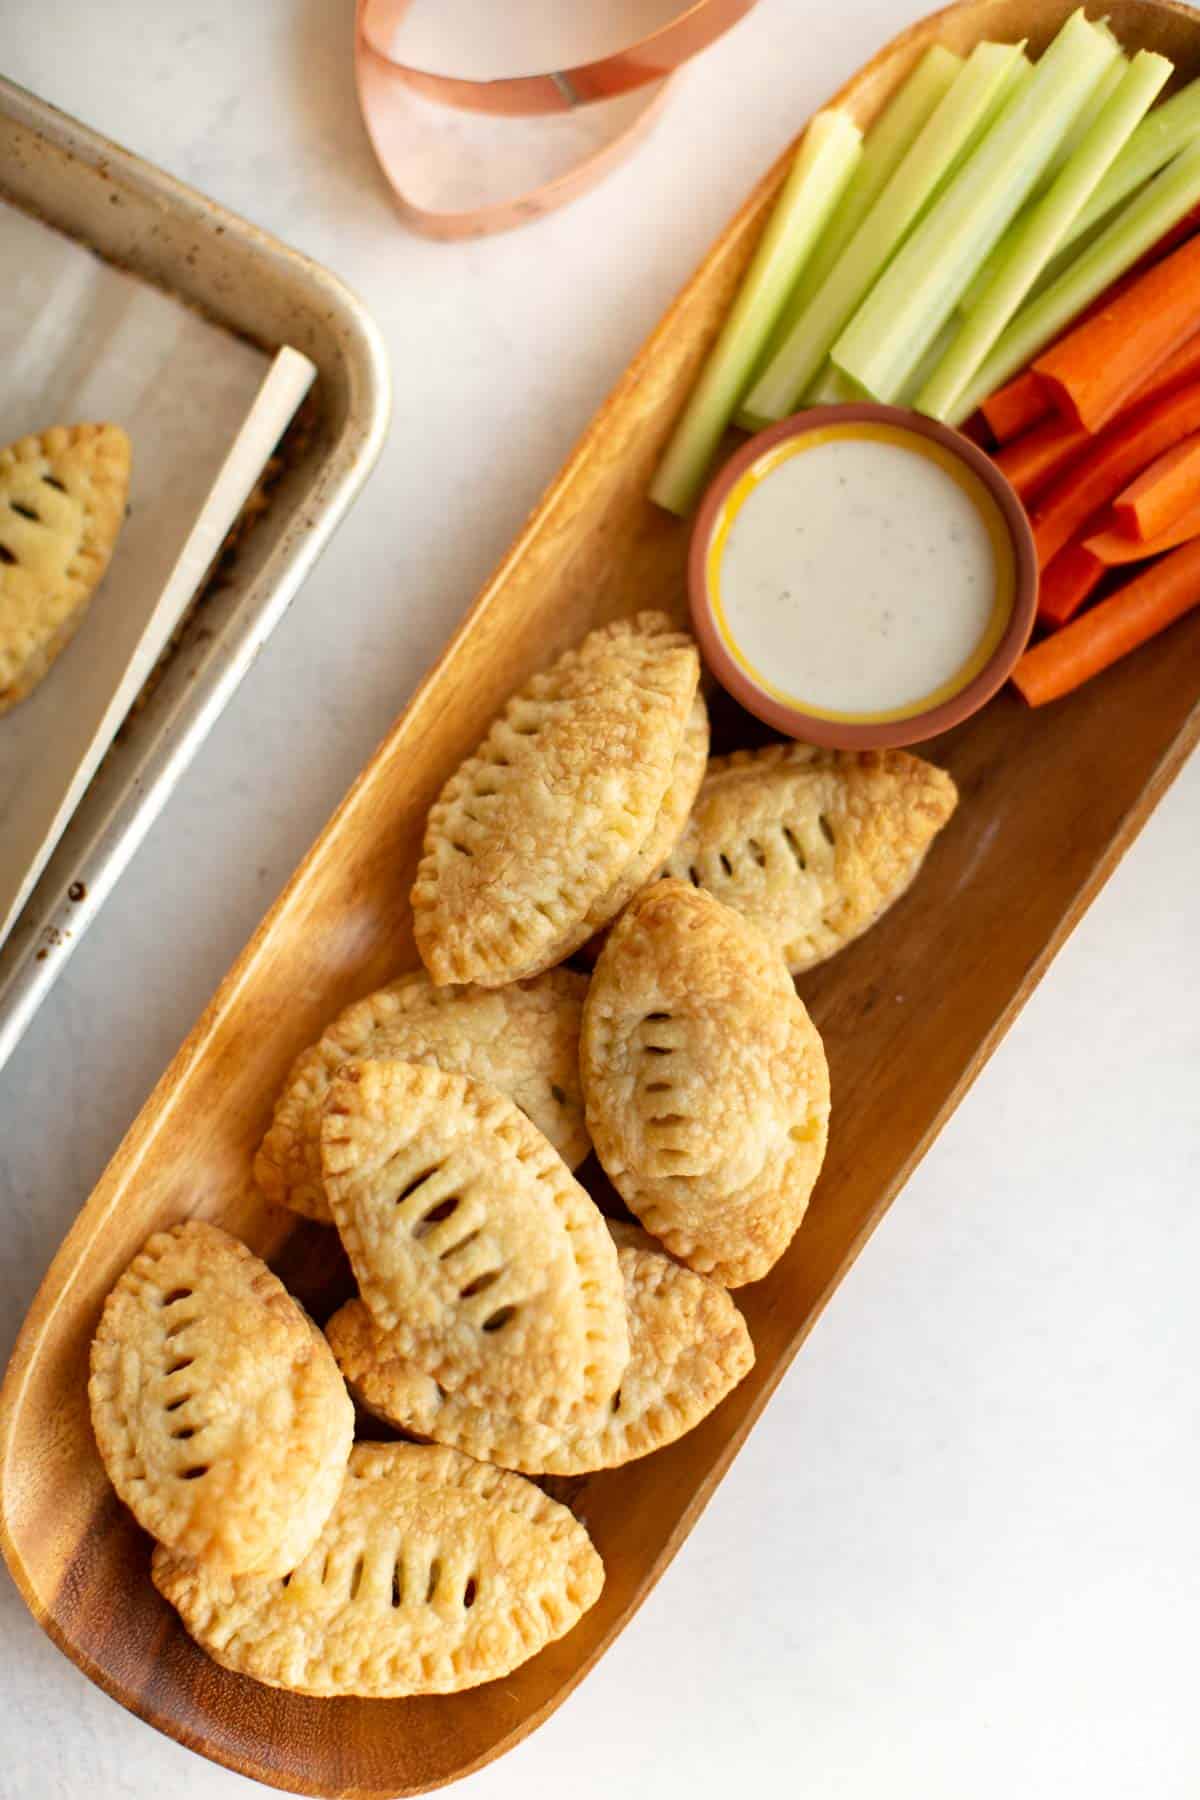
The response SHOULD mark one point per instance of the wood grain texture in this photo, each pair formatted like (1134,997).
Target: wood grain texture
(909,1015)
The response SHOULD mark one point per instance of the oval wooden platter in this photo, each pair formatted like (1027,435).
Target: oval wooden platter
(909,1015)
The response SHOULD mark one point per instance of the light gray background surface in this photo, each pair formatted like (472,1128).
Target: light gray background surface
(957,1559)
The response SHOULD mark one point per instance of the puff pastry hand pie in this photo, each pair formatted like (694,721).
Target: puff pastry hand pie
(812,846)
(528,849)
(522,1039)
(471,1241)
(62,504)
(434,1573)
(688,1347)
(705,1081)
(217,1406)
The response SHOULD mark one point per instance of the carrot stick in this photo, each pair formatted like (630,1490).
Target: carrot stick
(1024,400)
(1094,365)
(1114,547)
(1016,406)
(1064,661)
(1181,366)
(1034,459)
(1071,577)
(1119,453)
(1161,493)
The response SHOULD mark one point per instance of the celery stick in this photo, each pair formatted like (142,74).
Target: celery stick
(1097,100)
(1159,138)
(832,388)
(1137,227)
(888,335)
(1039,233)
(886,142)
(829,386)
(1018,75)
(746,420)
(798,360)
(929,362)
(1094,105)
(823,164)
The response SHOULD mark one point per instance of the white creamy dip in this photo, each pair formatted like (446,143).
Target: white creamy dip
(861,571)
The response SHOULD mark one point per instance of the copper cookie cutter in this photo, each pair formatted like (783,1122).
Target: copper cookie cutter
(457,151)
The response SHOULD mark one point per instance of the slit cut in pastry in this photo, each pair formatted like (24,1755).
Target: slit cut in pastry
(812,846)
(529,847)
(433,1574)
(522,1039)
(62,505)
(218,1409)
(688,1348)
(705,1080)
(471,1240)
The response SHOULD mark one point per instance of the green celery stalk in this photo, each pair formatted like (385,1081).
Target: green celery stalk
(798,360)
(929,362)
(1136,229)
(885,144)
(823,165)
(1018,73)
(1039,233)
(1097,100)
(750,421)
(1017,78)
(832,388)
(891,331)
(1089,112)
(1159,138)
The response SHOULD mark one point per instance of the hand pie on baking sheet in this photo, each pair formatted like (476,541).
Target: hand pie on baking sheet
(688,1348)
(471,1240)
(527,844)
(522,1039)
(217,1406)
(705,1081)
(433,1574)
(812,846)
(62,504)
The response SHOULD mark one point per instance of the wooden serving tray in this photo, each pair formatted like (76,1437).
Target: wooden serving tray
(909,1015)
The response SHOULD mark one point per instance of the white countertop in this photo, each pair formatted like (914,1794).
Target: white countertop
(957,1559)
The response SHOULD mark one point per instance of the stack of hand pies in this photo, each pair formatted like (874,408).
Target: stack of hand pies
(501,1318)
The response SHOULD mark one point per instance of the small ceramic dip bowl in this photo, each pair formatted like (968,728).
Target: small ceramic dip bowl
(861,577)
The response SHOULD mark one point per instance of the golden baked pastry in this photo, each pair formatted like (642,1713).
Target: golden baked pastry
(691,763)
(527,844)
(471,1240)
(434,1573)
(688,1347)
(812,845)
(705,1081)
(62,504)
(217,1406)
(522,1039)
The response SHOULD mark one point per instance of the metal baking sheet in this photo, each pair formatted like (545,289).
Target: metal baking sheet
(250,284)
